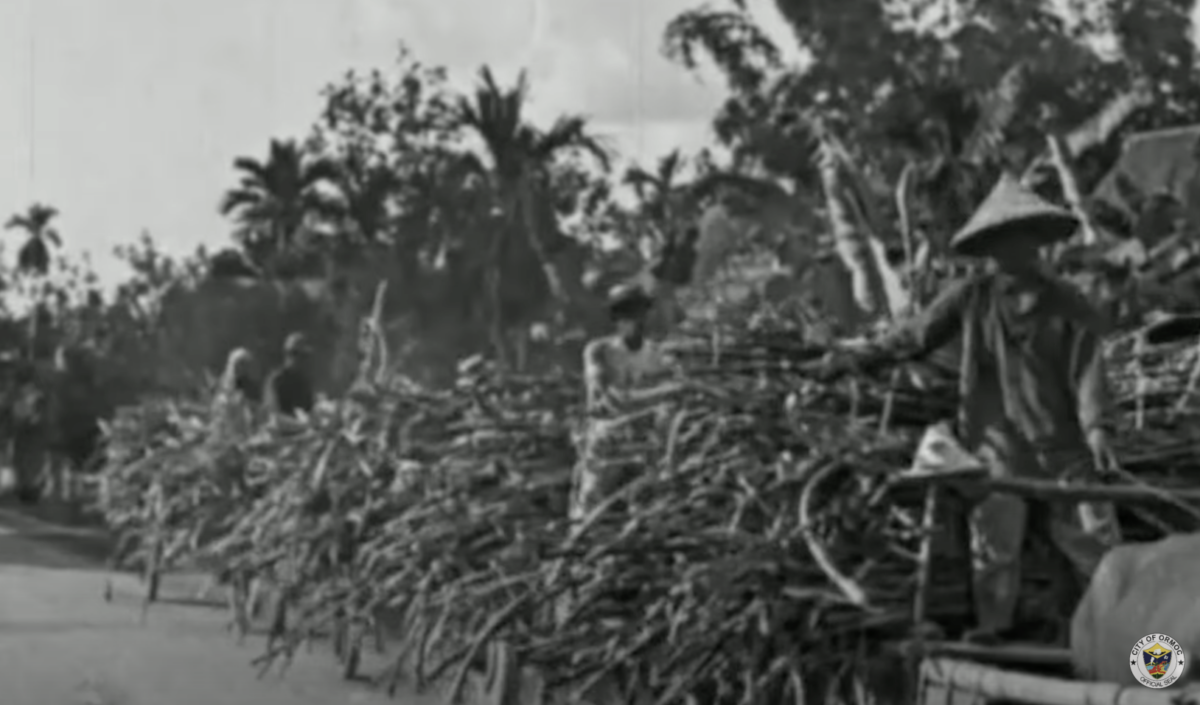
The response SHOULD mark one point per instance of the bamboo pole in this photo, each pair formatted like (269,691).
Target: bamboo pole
(1011,686)
(889,401)
(1024,654)
(1050,490)
(925,560)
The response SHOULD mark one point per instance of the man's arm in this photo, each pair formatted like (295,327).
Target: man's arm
(646,395)
(929,330)
(664,371)
(599,380)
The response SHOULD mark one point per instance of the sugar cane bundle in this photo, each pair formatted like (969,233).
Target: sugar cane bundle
(471,546)
(1154,389)
(466,557)
(168,485)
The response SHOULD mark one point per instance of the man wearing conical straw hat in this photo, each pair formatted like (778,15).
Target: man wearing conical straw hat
(1032,388)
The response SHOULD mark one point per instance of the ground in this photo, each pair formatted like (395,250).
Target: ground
(62,644)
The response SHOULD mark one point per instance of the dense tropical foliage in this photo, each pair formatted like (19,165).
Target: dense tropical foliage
(878,141)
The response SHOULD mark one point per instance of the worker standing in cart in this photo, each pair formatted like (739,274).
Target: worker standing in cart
(1032,389)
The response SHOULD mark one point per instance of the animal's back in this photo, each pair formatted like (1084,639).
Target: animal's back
(1138,589)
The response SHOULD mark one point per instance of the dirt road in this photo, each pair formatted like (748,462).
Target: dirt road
(62,644)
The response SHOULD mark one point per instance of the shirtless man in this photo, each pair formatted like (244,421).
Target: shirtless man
(619,370)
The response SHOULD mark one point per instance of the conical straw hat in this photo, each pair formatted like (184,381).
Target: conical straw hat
(940,452)
(1009,209)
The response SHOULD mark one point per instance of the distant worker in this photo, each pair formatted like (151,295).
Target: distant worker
(238,394)
(290,388)
(232,419)
(618,372)
(1032,387)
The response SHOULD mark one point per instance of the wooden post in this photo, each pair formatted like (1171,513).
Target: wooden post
(1141,382)
(889,401)
(925,559)
(920,608)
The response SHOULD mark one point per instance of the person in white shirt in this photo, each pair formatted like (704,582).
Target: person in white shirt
(619,373)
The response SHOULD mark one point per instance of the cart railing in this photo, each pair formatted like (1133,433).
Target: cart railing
(956,681)
(964,674)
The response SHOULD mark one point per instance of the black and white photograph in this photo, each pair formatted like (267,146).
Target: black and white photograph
(640,352)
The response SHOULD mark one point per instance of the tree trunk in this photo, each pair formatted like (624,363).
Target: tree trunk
(494,281)
(521,350)
(861,202)
(533,234)
(849,240)
(29,458)
(575,305)
(35,312)
(1070,187)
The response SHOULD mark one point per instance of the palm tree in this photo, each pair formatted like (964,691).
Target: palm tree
(522,156)
(277,197)
(655,189)
(368,193)
(34,255)
(365,197)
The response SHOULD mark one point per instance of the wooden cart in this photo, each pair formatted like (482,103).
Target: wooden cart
(965,674)
(948,680)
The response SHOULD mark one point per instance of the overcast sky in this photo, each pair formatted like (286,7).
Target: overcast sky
(126,114)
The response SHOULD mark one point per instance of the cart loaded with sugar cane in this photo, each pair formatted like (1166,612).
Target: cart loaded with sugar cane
(773,549)
(802,541)
(1154,372)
